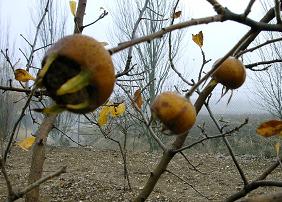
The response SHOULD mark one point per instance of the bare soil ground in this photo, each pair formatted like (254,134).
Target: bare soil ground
(94,175)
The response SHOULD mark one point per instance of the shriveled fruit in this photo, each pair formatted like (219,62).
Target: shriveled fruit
(78,74)
(175,111)
(231,73)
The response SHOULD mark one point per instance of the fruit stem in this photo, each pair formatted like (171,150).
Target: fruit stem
(75,84)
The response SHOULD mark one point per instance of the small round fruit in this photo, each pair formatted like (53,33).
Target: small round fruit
(176,112)
(231,73)
(79,58)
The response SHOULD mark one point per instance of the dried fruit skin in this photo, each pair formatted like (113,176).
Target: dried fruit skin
(174,111)
(75,53)
(231,73)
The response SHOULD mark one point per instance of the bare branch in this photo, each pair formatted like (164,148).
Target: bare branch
(259,46)
(249,7)
(227,133)
(8,183)
(129,54)
(104,14)
(175,175)
(252,186)
(20,194)
(250,66)
(278,11)
(147,122)
(30,58)
(23,90)
(216,6)
(22,114)
(241,172)
(159,34)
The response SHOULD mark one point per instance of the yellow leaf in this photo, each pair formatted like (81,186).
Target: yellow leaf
(73,7)
(138,98)
(270,128)
(110,110)
(23,75)
(26,143)
(176,14)
(104,113)
(277,148)
(118,110)
(198,38)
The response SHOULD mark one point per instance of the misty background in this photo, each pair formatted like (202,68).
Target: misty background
(19,18)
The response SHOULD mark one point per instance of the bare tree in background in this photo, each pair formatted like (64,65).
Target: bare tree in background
(7,107)
(150,66)
(54,27)
(147,57)
(268,83)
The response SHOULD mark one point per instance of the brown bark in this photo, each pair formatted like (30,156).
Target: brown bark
(78,20)
(38,156)
(38,152)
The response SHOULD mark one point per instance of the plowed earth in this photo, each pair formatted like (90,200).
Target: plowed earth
(94,175)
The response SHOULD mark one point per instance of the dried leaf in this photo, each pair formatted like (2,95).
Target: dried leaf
(198,39)
(138,98)
(176,14)
(270,128)
(23,75)
(73,7)
(26,143)
(110,110)
(118,110)
(104,113)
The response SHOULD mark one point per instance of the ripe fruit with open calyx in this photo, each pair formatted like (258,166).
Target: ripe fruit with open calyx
(175,111)
(231,73)
(78,74)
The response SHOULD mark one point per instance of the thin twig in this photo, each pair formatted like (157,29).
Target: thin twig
(147,122)
(30,58)
(120,148)
(8,182)
(194,167)
(259,46)
(64,134)
(250,66)
(227,133)
(22,114)
(104,14)
(20,194)
(241,172)
(133,34)
(185,181)
(170,50)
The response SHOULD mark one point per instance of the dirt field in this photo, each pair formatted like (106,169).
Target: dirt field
(98,175)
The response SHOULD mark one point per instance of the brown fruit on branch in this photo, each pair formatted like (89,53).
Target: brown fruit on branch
(78,74)
(175,111)
(231,73)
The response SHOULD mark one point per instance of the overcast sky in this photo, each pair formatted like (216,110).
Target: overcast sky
(218,37)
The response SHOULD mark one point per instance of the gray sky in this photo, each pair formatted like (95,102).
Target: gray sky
(218,37)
